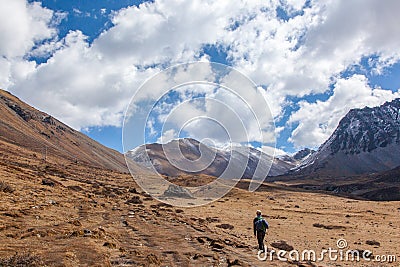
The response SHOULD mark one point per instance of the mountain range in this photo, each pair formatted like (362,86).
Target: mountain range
(360,159)
(189,156)
(365,141)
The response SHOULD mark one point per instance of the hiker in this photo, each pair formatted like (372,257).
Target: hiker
(260,226)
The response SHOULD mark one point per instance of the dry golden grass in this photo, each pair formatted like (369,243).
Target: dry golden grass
(73,215)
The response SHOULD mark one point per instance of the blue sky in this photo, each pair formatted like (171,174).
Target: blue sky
(90,17)
(82,61)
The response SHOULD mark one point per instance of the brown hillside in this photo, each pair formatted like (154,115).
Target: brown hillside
(24,126)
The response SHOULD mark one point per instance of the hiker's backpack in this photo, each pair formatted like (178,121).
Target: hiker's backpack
(261,224)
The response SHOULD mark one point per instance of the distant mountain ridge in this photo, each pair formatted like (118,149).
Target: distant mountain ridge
(366,141)
(243,160)
(298,157)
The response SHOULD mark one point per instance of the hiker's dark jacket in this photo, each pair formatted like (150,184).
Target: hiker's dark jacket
(264,222)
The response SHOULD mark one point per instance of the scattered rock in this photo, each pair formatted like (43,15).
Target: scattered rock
(87,232)
(279,217)
(212,219)
(134,200)
(70,254)
(225,226)
(177,191)
(133,190)
(75,188)
(297,206)
(328,227)
(48,182)
(109,245)
(48,119)
(216,245)
(178,211)
(6,188)
(200,240)
(234,262)
(76,223)
(372,243)
(23,113)
(96,185)
(282,245)
(196,256)
(145,194)
(76,233)
(126,224)
(152,259)
(203,239)
(161,204)
(13,214)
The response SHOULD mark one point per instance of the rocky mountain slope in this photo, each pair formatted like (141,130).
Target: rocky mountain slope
(366,141)
(23,126)
(299,157)
(383,186)
(188,156)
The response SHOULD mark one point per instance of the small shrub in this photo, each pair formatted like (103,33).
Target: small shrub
(134,200)
(6,188)
(19,260)
(133,190)
(212,219)
(48,182)
(109,245)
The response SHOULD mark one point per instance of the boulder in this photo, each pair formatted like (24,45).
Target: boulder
(177,191)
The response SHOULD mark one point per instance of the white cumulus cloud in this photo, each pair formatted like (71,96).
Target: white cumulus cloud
(317,121)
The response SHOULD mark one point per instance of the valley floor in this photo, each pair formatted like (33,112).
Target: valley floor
(57,213)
